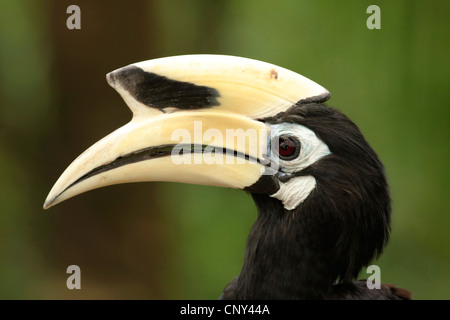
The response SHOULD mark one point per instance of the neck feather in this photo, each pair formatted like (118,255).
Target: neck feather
(286,255)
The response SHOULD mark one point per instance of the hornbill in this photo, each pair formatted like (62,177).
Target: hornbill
(320,190)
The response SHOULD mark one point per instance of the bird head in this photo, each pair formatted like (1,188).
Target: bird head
(239,123)
(201,119)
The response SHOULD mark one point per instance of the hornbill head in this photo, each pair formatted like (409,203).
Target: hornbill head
(321,193)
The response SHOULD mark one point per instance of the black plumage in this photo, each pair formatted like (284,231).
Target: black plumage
(316,250)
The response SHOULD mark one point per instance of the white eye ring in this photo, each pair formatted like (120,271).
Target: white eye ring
(311,147)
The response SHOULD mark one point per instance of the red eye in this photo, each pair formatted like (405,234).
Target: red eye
(288,147)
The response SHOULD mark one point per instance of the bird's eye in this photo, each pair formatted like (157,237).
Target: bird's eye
(288,147)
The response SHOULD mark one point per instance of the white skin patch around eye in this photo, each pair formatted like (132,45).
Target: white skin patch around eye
(296,190)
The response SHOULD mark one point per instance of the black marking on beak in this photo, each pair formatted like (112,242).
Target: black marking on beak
(317,99)
(160,92)
(158,152)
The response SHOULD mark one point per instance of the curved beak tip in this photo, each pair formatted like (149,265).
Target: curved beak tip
(47,204)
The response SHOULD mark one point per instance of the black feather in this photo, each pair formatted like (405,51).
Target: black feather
(316,250)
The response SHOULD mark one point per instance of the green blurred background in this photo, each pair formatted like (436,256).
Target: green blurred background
(173,241)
